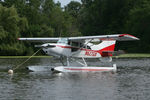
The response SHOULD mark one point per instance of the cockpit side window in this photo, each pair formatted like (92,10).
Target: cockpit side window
(75,44)
(79,45)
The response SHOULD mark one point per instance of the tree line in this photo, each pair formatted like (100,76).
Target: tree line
(45,18)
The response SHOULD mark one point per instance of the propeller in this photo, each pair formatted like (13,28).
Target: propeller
(45,46)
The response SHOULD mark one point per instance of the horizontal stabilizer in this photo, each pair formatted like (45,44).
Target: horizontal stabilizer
(107,54)
(107,51)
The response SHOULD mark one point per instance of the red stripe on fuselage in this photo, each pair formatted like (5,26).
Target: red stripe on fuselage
(106,54)
(109,48)
(78,69)
(74,47)
(103,54)
(63,46)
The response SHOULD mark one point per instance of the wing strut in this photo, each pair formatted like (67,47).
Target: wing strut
(83,64)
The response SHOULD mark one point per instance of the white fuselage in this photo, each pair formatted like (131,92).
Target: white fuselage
(58,50)
(69,51)
(76,49)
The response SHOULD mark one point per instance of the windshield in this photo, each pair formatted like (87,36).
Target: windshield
(63,41)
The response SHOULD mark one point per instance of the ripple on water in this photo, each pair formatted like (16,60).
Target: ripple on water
(131,82)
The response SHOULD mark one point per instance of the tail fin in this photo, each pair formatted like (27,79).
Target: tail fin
(105,48)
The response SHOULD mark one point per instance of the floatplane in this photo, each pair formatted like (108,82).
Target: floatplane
(101,46)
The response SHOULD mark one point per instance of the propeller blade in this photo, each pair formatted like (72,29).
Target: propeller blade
(45,46)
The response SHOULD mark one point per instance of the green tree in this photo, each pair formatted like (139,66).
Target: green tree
(71,13)
(9,26)
(73,8)
(138,24)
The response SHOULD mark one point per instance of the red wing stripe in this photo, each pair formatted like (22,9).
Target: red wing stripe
(87,69)
(122,35)
(64,46)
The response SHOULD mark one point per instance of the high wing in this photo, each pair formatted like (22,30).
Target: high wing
(39,39)
(118,37)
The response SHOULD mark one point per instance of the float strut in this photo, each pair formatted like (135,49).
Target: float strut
(68,64)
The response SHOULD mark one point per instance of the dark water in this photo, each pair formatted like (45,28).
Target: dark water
(131,82)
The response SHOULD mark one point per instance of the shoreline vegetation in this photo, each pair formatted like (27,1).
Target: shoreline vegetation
(46,18)
(133,55)
(136,55)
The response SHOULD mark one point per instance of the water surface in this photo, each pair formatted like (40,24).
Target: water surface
(131,82)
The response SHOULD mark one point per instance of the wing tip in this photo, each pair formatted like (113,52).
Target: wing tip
(128,35)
